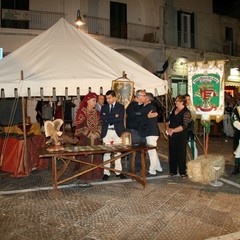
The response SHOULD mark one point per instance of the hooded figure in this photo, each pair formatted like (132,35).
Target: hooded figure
(88,130)
(87,122)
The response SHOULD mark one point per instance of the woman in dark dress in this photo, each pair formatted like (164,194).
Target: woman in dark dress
(177,130)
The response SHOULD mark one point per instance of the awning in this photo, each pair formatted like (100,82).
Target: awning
(232,83)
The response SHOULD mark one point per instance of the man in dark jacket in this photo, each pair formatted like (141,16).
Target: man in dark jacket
(150,130)
(112,116)
(133,122)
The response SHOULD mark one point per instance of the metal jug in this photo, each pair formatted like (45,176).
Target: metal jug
(126,139)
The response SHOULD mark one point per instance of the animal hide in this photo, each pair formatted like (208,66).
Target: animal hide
(52,130)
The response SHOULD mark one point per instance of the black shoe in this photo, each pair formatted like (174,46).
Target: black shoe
(236,170)
(121,176)
(183,175)
(151,175)
(105,177)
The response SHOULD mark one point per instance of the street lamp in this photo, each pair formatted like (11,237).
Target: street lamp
(79,21)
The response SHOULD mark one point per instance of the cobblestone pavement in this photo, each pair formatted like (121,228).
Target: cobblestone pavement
(168,208)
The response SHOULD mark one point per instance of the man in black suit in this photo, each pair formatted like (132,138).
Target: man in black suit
(150,130)
(112,116)
(133,121)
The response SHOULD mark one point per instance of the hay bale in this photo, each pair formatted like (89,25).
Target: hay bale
(203,170)
(194,170)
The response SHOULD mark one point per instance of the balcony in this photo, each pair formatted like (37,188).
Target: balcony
(133,31)
(42,20)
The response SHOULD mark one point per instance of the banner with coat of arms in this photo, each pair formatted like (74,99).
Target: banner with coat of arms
(124,91)
(206,88)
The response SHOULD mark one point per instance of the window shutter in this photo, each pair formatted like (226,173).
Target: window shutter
(179,27)
(192,31)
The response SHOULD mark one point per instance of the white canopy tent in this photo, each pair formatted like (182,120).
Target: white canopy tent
(65,57)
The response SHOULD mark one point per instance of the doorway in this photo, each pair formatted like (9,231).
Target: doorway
(118,20)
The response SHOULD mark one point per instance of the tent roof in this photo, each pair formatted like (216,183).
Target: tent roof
(65,57)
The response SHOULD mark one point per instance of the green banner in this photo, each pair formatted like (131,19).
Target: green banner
(206,89)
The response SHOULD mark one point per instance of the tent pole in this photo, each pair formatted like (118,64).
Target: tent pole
(166,95)
(24,132)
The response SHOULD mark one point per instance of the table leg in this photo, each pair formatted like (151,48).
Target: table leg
(143,161)
(54,172)
(133,162)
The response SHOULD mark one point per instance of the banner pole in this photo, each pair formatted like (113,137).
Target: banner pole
(204,144)
(166,95)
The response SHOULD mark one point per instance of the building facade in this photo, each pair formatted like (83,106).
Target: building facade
(149,32)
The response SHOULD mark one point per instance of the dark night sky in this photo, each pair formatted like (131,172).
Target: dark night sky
(227,7)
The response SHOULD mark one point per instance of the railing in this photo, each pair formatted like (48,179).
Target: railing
(44,20)
(101,26)
(40,20)
(97,26)
(94,25)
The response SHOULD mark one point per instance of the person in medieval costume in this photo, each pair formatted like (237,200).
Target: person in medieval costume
(88,126)
(235,117)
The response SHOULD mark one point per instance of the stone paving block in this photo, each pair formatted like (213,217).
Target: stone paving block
(142,234)
(179,228)
(11,236)
(119,227)
(214,217)
(139,208)
(236,200)
(71,233)
(176,203)
(10,201)
(232,223)
(203,231)
(57,221)
(157,221)
(220,203)
(41,232)
(11,223)
(101,217)
(194,209)
(207,194)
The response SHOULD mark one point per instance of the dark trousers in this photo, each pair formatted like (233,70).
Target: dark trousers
(236,138)
(136,139)
(177,153)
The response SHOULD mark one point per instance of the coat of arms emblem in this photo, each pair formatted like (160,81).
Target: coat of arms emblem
(124,91)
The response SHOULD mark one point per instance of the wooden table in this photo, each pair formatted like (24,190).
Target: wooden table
(69,153)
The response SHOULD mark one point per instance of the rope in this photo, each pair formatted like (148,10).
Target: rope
(13,112)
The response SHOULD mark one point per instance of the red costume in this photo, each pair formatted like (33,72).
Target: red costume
(88,125)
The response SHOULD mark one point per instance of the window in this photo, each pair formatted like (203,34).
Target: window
(179,86)
(7,21)
(118,20)
(228,44)
(185,23)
